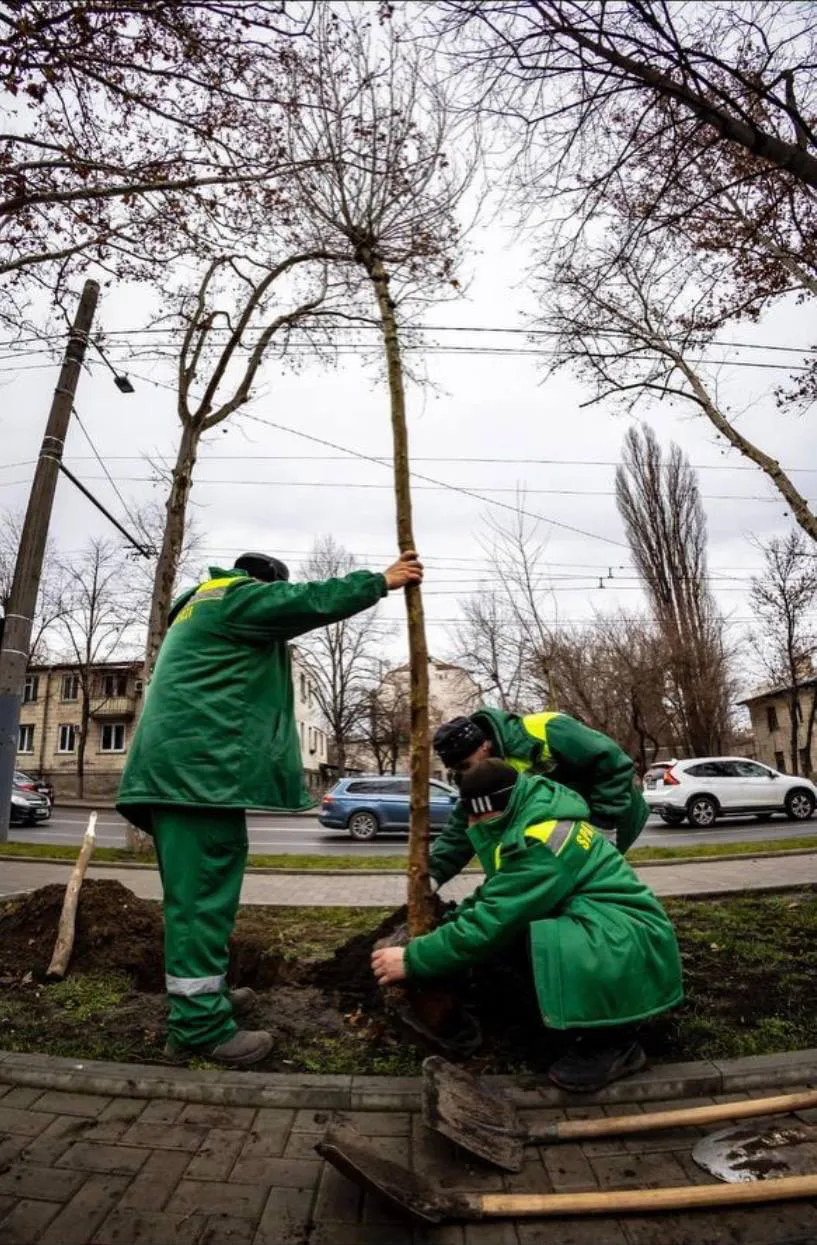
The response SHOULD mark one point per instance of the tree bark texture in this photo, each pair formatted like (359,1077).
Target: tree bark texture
(68,917)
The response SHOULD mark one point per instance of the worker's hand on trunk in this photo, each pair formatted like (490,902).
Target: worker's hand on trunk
(408,569)
(389,964)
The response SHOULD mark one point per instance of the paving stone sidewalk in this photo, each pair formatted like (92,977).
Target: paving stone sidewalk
(88,1169)
(705,877)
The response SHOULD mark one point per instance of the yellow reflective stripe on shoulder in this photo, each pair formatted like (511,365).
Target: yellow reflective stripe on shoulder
(554,834)
(536,724)
(516,763)
(498,857)
(215,588)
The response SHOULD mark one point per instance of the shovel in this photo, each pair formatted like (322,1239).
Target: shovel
(487,1125)
(783,1148)
(426,1202)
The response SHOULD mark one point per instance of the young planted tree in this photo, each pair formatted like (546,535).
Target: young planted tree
(384,203)
(661,507)
(783,600)
(341,657)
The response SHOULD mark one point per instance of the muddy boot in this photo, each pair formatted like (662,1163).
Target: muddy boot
(242,1000)
(588,1065)
(243,1049)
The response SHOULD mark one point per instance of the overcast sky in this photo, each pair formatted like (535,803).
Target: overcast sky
(251,493)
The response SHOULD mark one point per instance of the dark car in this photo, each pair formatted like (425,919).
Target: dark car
(366,804)
(28,807)
(26,783)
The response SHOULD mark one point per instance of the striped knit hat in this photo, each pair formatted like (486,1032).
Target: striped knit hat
(487,787)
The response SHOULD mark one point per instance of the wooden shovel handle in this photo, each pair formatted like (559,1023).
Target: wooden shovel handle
(684,1117)
(631,1201)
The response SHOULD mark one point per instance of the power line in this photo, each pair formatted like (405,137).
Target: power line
(108,475)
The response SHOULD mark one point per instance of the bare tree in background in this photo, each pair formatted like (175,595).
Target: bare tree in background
(51,596)
(385,729)
(96,626)
(783,600)
(490,645)
(341,658)
(385,201)
(666,530)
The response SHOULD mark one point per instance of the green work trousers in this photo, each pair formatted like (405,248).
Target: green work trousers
(201,854)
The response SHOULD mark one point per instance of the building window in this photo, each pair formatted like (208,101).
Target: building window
(805,762)
(301,725)
(70,688)
(771,717)
(112,737)
(26,739)
(30,689)
(780,762)
(67,738)
(114,685)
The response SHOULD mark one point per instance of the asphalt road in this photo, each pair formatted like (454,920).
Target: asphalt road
(303,834)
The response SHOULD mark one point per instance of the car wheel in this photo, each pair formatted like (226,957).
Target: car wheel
(672,819)
(799,805)
(702,811)
(363,826)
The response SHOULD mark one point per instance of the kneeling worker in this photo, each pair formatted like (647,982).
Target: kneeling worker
(603,951)
(217,736)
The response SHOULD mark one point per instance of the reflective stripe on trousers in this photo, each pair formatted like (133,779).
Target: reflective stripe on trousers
(188,986)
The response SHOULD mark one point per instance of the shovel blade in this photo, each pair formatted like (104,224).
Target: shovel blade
(783,1147)
(357,1159)
(481,1122)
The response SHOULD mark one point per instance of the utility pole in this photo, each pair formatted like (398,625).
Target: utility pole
(28,569)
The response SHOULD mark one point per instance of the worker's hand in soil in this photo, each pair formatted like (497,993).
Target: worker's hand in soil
(408,569)
(389,964)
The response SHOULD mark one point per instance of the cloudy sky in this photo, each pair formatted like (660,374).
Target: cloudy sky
(262,488)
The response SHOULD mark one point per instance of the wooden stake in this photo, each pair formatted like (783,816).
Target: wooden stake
(68,917)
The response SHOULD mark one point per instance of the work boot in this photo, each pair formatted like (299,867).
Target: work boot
(242,1000)
(244,1048)
(588,1066)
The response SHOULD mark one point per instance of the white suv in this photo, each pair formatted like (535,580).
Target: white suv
(706,788)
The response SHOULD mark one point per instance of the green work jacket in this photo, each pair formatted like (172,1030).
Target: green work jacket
(570,753)
(218,724)
(603,951)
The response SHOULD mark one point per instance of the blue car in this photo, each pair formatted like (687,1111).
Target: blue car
(365,805)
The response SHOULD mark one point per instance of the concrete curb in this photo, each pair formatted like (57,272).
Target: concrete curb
(393,873)
(394,1093)
(109,806)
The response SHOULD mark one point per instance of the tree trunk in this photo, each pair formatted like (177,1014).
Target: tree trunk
(794,734)
(84,718)
(420,909)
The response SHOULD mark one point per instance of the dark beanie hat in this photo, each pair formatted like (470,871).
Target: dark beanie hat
(456,740)
(261,566)
(487,787)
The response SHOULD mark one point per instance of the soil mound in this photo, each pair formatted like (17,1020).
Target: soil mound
(115,931)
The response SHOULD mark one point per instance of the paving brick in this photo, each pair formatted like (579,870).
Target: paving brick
(532,1179)
(338,1198)
(787,1223)
(122,1109)
(445,1163)
(174,1137)
(218,1117)
(148,1227)
(313,1121)
(444,1234)
(61,1103)
(358,1234)
(377,1123)
(217,1197)
(160,1111)
(227,1230)
(26,1123)
(80,1217)
(643,1171)
(72,1127)
(10,1147)
(286,1218)
(6,1203)
(27,1221)
(219,1151)
(502,1232)
(156,1181)
(21,1096)
(86,1156)
(592,1231)
(42,1183)
(283,1173)
(567,1167)
(301,1145)
(45,1151)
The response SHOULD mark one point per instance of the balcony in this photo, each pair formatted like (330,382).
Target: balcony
(111,707)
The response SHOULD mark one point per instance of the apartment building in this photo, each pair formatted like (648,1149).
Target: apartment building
(51,718)
(770,712)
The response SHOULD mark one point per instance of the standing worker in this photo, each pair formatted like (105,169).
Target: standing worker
(217,736)
(552,744)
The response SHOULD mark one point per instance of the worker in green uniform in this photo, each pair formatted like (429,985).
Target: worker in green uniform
(602,950)
(217,736)
(554,744)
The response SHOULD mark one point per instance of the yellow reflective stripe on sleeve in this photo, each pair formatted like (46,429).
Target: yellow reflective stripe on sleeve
(554,834)
(536,724)
(519,765)
(498,857)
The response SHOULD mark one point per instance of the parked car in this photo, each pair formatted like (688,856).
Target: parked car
(705,788)
(366,804)
(26,783)
(28,807)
